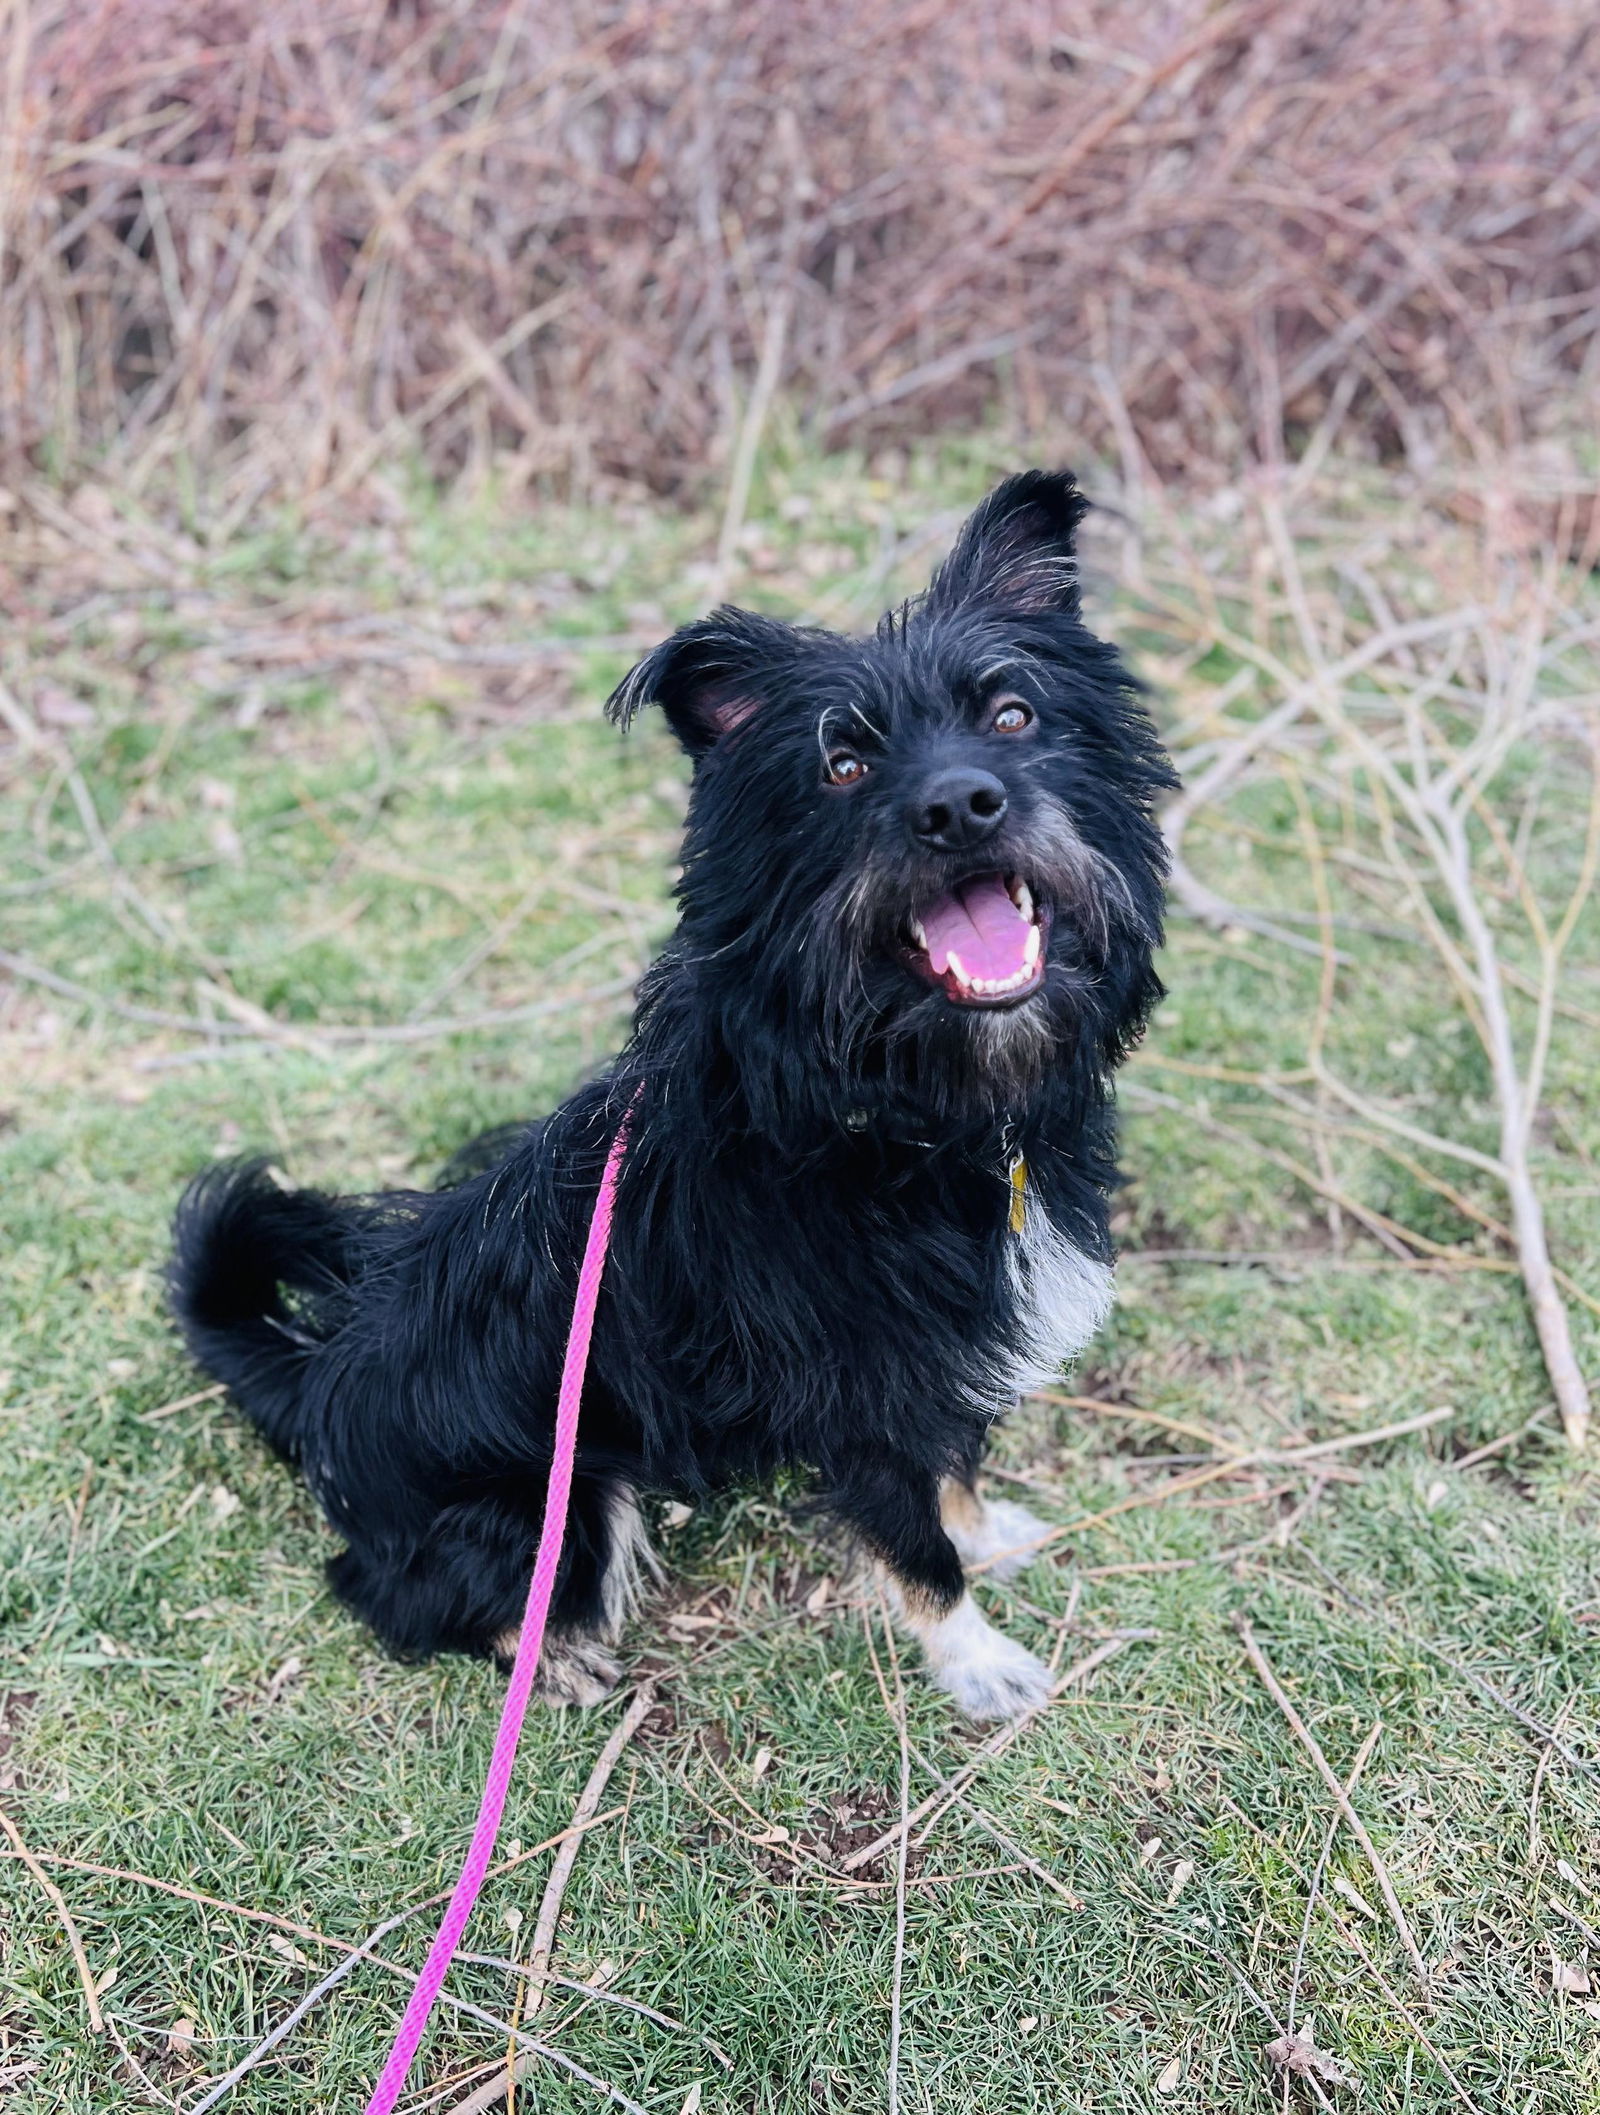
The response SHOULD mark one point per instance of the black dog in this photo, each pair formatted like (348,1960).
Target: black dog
(864,1202)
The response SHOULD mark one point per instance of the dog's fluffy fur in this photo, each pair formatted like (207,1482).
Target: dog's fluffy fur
(817,1258)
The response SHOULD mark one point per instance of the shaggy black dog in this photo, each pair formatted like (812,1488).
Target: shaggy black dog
(864,1202)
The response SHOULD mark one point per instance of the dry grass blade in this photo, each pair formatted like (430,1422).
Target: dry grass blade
(897,1712)
(261,1028)
(354,1952)
(1357,1945)
(1230,1465)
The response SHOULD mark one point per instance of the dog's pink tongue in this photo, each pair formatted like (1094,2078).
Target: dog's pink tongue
(981,924)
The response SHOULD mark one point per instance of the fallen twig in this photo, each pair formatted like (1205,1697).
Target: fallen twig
(499,2088)
(996,1745)
(58,1900)
(1231,1464)
(1467,1673)
(263,1028)
(1312,1892)
(355,1950)
(1353,1940)
(897,1712)
(1308,1741)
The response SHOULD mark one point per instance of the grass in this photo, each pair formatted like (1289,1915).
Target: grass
(331,838)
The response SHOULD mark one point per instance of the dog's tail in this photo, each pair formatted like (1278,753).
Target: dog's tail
(257,1277)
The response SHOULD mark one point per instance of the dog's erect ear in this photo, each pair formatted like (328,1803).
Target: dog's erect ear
(1016,552)
(706,676)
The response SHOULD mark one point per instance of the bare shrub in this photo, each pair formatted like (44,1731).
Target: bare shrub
(286,242)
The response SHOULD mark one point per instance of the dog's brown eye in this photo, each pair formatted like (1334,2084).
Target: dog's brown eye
(1012,717)
(845,768)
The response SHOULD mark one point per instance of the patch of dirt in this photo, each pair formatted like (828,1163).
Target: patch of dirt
(846,1822)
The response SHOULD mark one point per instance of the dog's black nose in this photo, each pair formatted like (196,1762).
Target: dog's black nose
(957,808)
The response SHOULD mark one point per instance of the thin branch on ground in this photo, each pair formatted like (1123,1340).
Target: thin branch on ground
(1312,1892)
(263,1028)
(58,1901)
(896,1708)
(1357,1945)
(995,1746)
(353,1950)
(540,1952)
(1324,1769)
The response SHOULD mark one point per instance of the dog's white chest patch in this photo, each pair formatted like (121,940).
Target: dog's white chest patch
(1061,1298)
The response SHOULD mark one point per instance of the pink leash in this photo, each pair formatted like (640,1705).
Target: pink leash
(520,1687)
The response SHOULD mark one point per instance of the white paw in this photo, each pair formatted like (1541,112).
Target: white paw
(575,1671)
(1003,1537)
(1012,1535)
(988,1675)
(997,1678)
(570,1670)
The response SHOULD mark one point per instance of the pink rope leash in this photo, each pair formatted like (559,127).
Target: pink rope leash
(520,1688)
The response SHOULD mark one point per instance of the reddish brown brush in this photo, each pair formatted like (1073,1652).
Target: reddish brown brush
(287,242)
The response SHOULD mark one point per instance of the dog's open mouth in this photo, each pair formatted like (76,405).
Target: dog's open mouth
(984,942)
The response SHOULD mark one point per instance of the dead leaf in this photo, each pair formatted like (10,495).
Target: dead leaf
(676,1514)
(1148,1849)
(762,1763)
(817,1599)
(1352,1895)
(181,2036)
(1172,2077)
(107,1976)
(1182,1874)
(56,707)
(1027,2026)
(691,2100)
(224,1503)
(286,1949)
(288,1672)
(1569,1975)
(1299,2055)
(779,1834)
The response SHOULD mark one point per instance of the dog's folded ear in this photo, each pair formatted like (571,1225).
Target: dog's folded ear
(1017,551)
(706,676)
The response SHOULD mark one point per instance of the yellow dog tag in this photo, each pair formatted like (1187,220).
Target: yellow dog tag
(1019,1186)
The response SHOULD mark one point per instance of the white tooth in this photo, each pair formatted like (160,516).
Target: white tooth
(1030,949)
(1024,900)
(919,935)
(955,968)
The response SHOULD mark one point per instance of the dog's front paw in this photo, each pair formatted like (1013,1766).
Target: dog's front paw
(995,1677)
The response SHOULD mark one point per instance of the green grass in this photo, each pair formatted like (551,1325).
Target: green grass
(180,1698)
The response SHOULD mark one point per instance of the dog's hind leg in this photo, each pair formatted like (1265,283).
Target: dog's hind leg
(895,1508)
(461,1585)
(606,1564)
